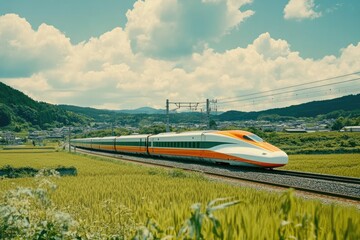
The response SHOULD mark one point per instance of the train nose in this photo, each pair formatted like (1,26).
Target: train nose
(278,157)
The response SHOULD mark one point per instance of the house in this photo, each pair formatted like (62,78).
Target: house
(295,130)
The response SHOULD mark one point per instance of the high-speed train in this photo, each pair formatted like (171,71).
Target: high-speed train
(232,147)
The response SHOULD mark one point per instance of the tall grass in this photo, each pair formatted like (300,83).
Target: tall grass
(336,164)
(124,200)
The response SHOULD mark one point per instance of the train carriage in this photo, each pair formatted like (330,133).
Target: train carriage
(131,144)
(103,144)
(186,145)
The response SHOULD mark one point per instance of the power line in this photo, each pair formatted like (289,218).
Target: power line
(292,91)
(291,99)
(298,85)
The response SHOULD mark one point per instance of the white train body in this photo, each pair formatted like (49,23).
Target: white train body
(233,147)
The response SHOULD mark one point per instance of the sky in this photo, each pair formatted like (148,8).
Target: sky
(126,54)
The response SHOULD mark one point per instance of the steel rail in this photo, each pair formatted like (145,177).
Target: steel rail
(279,172)
(318,176)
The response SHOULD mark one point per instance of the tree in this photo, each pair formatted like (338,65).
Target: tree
(338,124)
(5,115)
(213,124)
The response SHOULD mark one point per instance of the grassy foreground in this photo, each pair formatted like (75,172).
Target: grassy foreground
(114,199)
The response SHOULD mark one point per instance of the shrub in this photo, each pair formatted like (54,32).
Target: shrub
(27,213)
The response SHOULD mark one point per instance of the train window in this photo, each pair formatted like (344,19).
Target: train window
(253,137)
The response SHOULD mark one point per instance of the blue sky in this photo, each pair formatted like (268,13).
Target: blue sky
(157,45)
(83,19)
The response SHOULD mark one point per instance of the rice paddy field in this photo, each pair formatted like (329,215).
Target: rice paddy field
(334,164)
(109,199)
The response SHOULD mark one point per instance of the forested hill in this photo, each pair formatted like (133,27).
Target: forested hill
(349,103)
(20,111)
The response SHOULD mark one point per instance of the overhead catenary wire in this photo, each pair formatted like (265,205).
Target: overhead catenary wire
(291,91)
(288,87)
(297,97)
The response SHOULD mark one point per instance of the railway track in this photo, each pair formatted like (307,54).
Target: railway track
(345,188)
(326,177)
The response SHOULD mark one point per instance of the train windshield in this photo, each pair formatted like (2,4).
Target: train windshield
(254,138)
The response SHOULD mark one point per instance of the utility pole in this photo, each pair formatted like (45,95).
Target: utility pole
(69,140)
(208,112)
(167,116)
(112,125)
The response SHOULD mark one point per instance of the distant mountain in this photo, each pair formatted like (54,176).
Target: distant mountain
(143,110)
(140,116)
(20,111)
(311,109)
(87,111)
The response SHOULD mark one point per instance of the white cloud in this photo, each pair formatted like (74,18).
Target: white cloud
(173,28)
(301,9)
(271,48)
(24,51)
(105,72)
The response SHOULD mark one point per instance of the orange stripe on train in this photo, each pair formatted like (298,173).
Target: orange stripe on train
(207,154)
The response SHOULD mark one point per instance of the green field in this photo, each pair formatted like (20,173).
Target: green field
(334,164)
(110,198)
(316,142)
